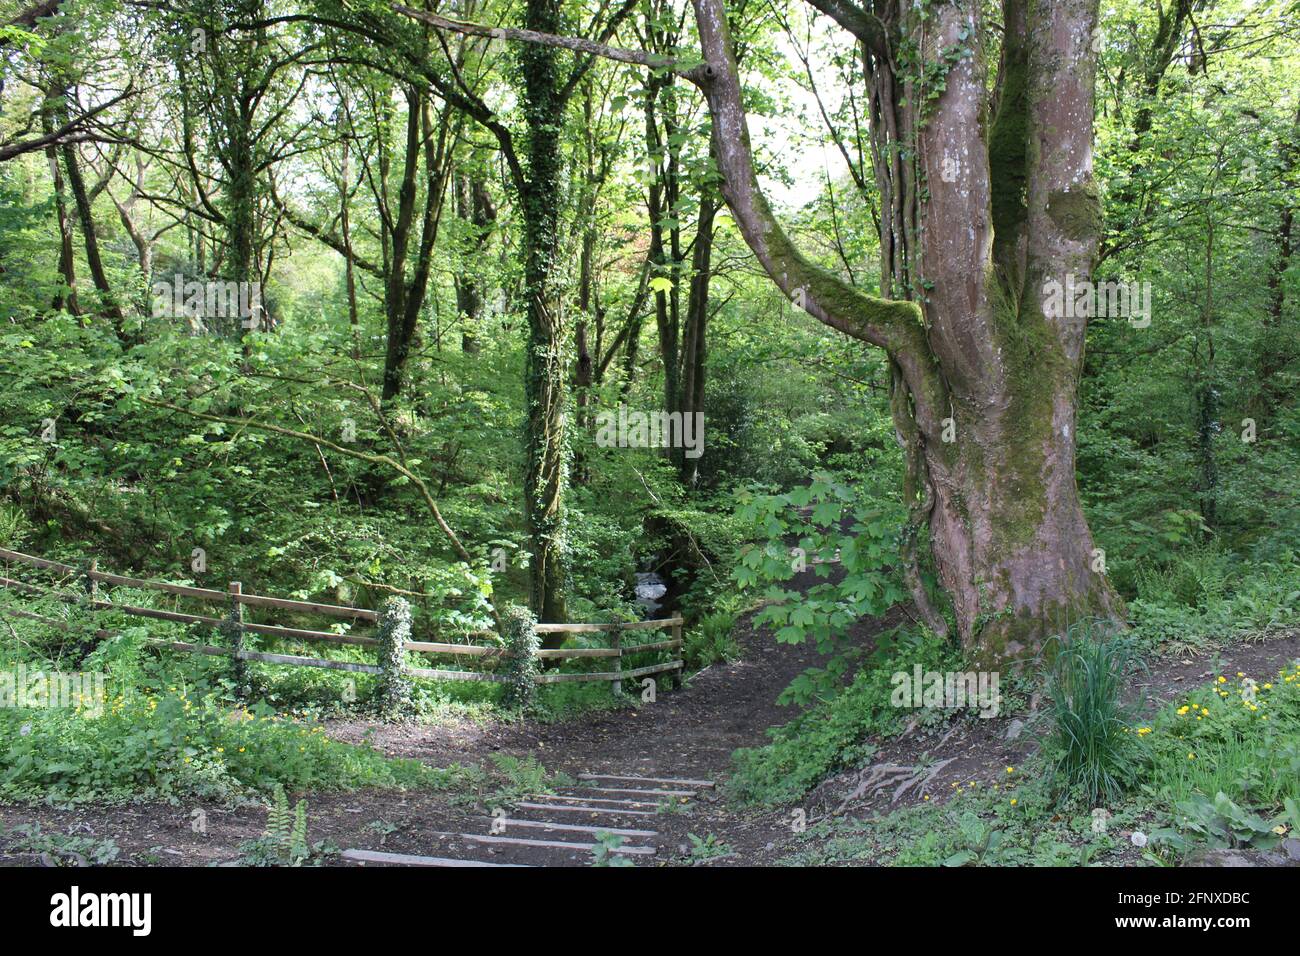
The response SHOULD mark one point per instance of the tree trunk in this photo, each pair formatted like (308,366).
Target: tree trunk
(98,274)
(474,206)
(67,296)
(397,340)
(983,361)
(143,241)
(661,204)
(1279,351)
(345,225)
(695,336)
(545,450)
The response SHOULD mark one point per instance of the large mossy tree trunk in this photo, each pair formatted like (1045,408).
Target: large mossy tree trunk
(986,374)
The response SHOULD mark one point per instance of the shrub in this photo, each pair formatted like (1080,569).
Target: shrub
(172,743)
(711,640)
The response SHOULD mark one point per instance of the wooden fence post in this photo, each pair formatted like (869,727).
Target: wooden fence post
(677,654)
(519,631)
(92,586)
(233,630)
(616,685)
(393,692)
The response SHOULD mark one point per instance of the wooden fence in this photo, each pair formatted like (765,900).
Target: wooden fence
(235,601)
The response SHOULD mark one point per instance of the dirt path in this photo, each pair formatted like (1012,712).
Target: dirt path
(690,733)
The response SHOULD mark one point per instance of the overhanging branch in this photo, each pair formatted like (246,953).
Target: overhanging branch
(683,68)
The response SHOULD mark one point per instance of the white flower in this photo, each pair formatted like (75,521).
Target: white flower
(24,730)
(1139,838)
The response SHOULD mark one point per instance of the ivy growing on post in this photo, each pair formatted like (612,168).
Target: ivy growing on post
(393,691)
(519,628)
(231,630)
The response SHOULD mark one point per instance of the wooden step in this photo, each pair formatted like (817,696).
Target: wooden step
(564,808)
(556,844)
(652,793)
(568,798)
(574,827)
(406,859)
(702,784)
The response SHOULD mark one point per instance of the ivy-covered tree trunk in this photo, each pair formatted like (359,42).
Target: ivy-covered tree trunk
(985,373)
(545,445)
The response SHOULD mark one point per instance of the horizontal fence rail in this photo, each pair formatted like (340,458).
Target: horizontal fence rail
(235,601)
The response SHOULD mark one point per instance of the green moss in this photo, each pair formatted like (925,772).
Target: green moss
(1035,365)
(1006,636)
(899,319)
(1008,144)
(1076,212)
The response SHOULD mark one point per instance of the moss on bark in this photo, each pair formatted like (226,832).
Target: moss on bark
(1076,212)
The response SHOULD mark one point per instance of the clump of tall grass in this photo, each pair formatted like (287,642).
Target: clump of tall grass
(1091,748)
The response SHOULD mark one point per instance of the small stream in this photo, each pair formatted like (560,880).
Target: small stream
(649,589)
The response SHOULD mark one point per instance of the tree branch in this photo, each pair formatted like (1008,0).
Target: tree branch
(321,235)
(682,68)
(866,26)
(69,132)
